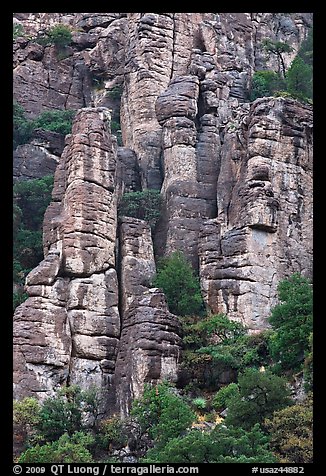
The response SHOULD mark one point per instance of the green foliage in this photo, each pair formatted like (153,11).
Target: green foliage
(265,83)
(25,419)
(31,198)
(217,345)
(144,205)
(59,35)
(17,31)
(308,366)
(224,395)
(67,449)
(53,120)
(162,413)
(28,252)
(115,93)
(260,394)
(277,48)
(65,413)
(26,412)
(306,49)
(56,121)
(111,434)
(22,127)
(291,433)
(299,80)
(181,287)
(222,445)
(200,403)
(292,320)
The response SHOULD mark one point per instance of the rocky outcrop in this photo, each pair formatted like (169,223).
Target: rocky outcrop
(67,331)
(235,177)
(149,346)
(263,231)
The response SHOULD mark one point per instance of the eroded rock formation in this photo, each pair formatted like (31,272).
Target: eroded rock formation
(235,176)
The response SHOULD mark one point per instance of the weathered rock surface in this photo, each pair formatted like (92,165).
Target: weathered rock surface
(149,347)
(263,231)
(68,329)
(137,264)
(236,179)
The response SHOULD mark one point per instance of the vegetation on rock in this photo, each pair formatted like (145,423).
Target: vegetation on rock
(292,319)
(145,205)
(296,82)
(181,287)
(260,394)
(54,120)
(291,433)
(31,198)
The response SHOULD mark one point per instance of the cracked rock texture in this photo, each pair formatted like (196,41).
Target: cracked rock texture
(235,177)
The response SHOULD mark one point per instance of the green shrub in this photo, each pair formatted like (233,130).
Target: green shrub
(222,445)
(18,298)
(31,198)
(144,205)
(111,434)
(224,395)
(181,287)
(293,323)
(59,35)
(22,127)
(67,449)
(265,83)
(200,403)
(260,394)
(162,413)
(65,413)
(299,79)
(115,93)
(291,433)
(55,121)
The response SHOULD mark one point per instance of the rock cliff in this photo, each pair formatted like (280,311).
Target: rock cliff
(235,177)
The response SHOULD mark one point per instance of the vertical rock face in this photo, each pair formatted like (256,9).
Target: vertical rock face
(150,344)
(263,231)
(235,176)
(68,329)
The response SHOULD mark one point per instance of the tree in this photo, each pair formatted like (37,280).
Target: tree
(55,121)
(224,395)
(306,49)
(277,48)
(260,394)
(181,287)
(65,413)
(221,445)
(299,79)
(292,320)
(162,413)
(265,83)
(67,449)
(145,205)
(26,416)
(291,434)
(22,127)
(31,198)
